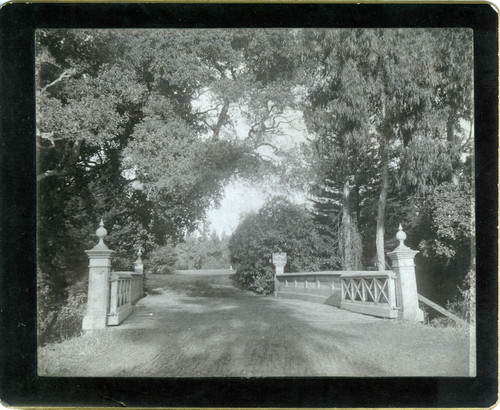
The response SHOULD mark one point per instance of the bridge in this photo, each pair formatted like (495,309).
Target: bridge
(198,324)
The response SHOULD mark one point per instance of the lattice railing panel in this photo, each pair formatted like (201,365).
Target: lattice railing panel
(367,289)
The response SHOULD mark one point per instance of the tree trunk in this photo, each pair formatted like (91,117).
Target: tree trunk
(221,120)
(450,134)
(381,207)
(346,227)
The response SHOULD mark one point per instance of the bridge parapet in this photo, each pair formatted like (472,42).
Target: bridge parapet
(390,293)
(321,287)
(370,292)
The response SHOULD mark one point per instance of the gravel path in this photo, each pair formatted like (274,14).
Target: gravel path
(198,325)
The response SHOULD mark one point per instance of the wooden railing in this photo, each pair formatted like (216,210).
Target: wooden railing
(443,311)
(370,292)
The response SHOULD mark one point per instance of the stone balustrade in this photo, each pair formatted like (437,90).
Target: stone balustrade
(126,288)
(390,294)
(321,287)
(137,286)
(370,292)
(120,301)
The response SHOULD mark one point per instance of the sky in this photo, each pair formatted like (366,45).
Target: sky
(241,197)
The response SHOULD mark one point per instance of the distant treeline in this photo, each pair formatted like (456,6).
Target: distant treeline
(200,251)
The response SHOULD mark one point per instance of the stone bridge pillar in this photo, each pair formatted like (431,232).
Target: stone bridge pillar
(139,268)
(138,264)
(403,264)
(98,291)
(279,262)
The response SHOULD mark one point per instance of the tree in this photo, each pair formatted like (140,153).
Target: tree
(373,95)
(279,226)
(203,251)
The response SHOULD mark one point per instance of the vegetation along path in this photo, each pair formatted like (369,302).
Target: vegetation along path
(196,323)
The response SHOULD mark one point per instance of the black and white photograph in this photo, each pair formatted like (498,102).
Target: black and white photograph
(255,202)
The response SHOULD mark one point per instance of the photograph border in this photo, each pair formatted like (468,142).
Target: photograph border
(19,383)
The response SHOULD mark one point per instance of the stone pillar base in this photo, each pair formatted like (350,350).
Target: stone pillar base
(93,322)
(415,316)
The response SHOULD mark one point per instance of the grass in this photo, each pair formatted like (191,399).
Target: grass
(198,325)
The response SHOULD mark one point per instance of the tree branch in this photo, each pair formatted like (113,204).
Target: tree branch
(68,161)
(65,74)
(222,118)
(51,173)
(207,111)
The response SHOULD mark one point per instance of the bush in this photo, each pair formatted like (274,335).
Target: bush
(162,260)
(60,320)
(279,226)
(447,217)
(463,305)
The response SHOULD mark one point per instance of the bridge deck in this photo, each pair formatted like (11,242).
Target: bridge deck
(196,324)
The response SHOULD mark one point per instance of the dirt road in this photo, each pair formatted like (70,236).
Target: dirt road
(196,324)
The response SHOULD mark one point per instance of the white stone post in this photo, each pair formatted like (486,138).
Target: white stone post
(404,265)
(138,264)
(139,268)
(279,262)
(98,293)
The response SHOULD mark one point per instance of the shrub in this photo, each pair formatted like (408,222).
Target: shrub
(463,305)
(70,317)
(60,313)
(279,226)
(447,216)
(162,260)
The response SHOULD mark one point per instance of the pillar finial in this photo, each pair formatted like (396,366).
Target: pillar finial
(101,233)
(401,236)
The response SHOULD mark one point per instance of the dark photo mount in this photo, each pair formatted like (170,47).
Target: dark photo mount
(19,383)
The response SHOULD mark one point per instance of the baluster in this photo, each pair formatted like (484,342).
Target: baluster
(391,290)
(113,303)
(119,292)
(122,293)
(129,293)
